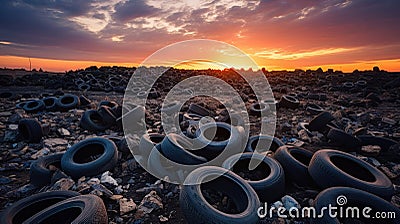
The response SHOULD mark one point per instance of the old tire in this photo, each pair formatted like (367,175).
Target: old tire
(332,168)
(258,143)
(34,106)
(76,161)
(40,174)
(345,141)
(319,122)
(269,182)
(67,102)
(177,149)
(27,207)
(79,209)
(197,109)
(91,120)
(50,103)
(290,102)
(295,161)
(196,208)
(30,130)
(353,198)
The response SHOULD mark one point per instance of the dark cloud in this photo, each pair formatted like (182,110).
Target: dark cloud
(66,7)
(133,9)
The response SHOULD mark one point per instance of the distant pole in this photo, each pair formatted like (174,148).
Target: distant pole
(30,65)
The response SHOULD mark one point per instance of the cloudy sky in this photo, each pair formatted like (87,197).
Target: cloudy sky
(278,34)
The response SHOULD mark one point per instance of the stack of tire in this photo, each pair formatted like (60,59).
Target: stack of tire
(106,116)
(62,103)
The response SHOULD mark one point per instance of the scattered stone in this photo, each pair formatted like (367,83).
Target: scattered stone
(63,184)
(13,127)
(56,144)
(388,121)
(163,218)
(388,173)
(103,190)
(149,203)
(116,197)
(106,178)
(126,206)
(63,132)
(372,150)
(93,181)
(40,153)
(10,136)
(5,180)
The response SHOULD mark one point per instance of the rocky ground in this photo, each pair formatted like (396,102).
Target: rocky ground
(132,195)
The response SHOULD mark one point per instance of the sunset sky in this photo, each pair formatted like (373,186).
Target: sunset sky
(342,34)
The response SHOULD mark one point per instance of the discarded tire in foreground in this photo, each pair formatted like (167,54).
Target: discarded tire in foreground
(267,179)
(90,157)
(23,209)
(198,207)
(332,168)
(40,171)
(30,130)
(348,198)
(79,209)
(295,161)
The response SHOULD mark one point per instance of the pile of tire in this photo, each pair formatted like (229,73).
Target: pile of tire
(108,114)
(51,103)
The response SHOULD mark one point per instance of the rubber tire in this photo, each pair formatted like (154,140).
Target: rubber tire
(92,210)
(110,104)
(355,197)
(259,108)
(147,143)
(326,174)
(27,207)
(30,129)
(384,143)
(269,189)
(67,106)
(105,162)
(319,122)
(199,110)
(275,143)
(34,106)
(212,149)
(176,148)
(198,210)
(39,173)
(50,103)
(87,122)
(344,140)
(290,102)
(296,169)
(314,109)
(107,115)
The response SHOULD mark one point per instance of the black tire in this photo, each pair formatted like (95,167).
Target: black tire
(30,129)
(91,120)
(258,143)
(84,87)
(175,148)
(197,210)
(319,122)
(20,105)
(197,109)
(314,109)
(23,209)
(290,102)
(39,172)
(34,106)
(258,108)
(384,143)
(345,141)
(332,168)
(353,198)
(79,209)
(107,115)
(147,143)
(50,103)
(295,161)
(270,176)
(76,161)
(226,137)
(7,95)
(67,102)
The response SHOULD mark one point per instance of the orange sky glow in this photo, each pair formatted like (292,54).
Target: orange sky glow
(278,35)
